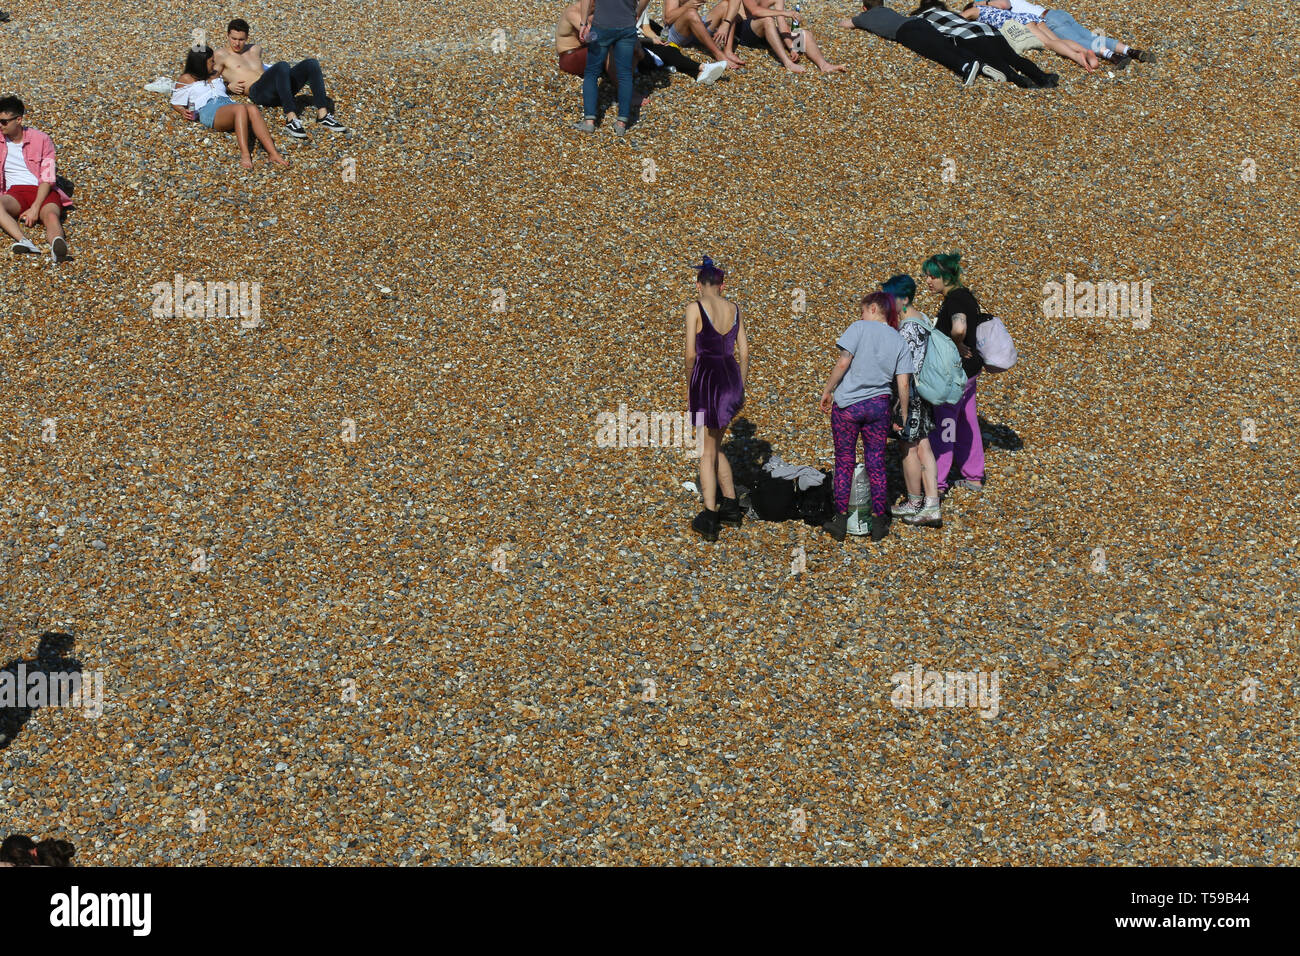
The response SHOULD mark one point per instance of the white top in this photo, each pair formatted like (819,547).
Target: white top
(16,171)
(1021,6)
(200,93)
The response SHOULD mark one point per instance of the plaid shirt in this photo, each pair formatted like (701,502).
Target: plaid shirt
(955,25)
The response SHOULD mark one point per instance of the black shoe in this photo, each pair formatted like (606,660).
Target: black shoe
(1142,56)
(4,17)
(1050,80)
(330,123)
(706,525)
(1119,61)
(838,527)
(879,527)
(294,129)
(729,512)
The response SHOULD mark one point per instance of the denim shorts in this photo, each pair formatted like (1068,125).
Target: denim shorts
(208,114)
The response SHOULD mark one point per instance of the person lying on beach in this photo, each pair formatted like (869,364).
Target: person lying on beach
(201,95)
(242,69)
(989,43)
(923,39)
(998,18)
(764,23)
(1063,24)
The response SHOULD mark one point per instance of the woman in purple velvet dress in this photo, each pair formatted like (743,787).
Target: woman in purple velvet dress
(717,364)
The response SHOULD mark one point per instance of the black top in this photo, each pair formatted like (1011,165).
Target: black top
(962,300)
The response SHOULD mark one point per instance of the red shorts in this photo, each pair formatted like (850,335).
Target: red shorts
(575,61)
(26,195)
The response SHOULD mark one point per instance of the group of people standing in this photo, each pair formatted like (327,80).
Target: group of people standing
(870,394)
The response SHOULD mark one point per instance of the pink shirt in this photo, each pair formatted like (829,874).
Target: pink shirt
(38,153)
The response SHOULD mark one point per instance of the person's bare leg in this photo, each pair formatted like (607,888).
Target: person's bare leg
(767,27)
(52,220)
(726,486)
(241,137)
(1065,48)
(691,22)
(263,135)
(227,120)
(912,471)
(8,218)
(929,471)
(709,468)
(815,54)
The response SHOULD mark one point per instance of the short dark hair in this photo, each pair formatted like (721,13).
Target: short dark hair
(238,24)
(12,104)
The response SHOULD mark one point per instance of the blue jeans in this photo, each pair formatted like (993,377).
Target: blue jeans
(623,40)
(1068,28)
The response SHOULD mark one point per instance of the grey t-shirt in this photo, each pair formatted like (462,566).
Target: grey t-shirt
(881,21)
(614,15)
(879,353)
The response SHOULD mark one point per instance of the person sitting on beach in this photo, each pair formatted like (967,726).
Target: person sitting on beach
(717,365)
(764,24)
(27,183)
(716,32)
(201,95)
(997,17)
(992,47)
(921,38)
(242,69)
(1067,28)
(873,357)
(669,55)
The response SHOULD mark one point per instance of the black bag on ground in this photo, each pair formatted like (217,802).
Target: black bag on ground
(778,499)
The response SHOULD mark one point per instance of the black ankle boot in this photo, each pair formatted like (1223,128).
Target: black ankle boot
(879,526)
(729,512)
(838,526)
(706,525)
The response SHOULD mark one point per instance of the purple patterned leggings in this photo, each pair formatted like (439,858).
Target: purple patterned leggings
(870,419)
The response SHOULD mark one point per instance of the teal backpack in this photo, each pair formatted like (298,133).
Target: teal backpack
(941,379)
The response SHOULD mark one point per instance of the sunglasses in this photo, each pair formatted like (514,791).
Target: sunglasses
(5,121)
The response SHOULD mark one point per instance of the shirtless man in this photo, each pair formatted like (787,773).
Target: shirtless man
(242,69)
(764,21)
(716,32)
(570,50)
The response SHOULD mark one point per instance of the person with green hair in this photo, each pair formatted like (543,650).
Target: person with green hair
(956,439)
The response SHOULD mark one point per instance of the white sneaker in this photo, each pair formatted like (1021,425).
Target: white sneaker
(26,247)
(160,85)
(710,72)
(995,75)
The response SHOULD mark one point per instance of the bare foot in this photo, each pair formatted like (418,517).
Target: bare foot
(833,67)
(246,161)
(279,160)
(795,67)
(734,62)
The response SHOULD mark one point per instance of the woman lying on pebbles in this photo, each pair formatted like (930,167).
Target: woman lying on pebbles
(201,95)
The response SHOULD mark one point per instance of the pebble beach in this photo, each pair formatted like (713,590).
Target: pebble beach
(363,589)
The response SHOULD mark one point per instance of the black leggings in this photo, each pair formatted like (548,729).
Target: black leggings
(923,39)
(999,54)
(671,56)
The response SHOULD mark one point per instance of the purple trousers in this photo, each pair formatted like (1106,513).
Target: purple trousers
(870,419)
(956,436)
